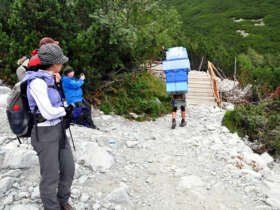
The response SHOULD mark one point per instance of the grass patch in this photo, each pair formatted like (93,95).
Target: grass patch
(139,93)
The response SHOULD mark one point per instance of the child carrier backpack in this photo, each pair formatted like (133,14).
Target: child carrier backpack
(18,111)
(79,117)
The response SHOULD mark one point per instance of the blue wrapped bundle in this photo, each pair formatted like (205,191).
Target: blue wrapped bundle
(176,67)
(180,63)
(177,81)
(176,52)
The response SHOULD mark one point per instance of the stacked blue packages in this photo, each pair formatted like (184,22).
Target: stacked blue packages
(176,67)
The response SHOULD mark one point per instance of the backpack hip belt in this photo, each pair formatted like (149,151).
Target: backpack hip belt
(38,118)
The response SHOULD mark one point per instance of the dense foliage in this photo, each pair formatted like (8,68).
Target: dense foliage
(210,30)
(263,71)
(140,93)
(102,38)
(260,122)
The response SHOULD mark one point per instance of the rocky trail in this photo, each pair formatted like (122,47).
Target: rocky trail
(129,165)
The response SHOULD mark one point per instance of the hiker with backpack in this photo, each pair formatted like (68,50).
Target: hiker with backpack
(178,100)
(32,63)
(48,136)
(74,96)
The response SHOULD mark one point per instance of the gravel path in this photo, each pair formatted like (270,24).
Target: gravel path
(148,166)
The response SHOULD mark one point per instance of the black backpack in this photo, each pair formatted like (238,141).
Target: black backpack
(18,111)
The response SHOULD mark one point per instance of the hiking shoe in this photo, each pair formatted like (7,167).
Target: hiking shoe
(67,207)
(94,127)
(173,124)
(183,123)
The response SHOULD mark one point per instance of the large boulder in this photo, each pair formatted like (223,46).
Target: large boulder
(4,93)
(19,158)
(94,156)
(4,90)
(120,197)
(5,184)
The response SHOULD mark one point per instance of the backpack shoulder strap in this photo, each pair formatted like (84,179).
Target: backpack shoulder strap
(49,86)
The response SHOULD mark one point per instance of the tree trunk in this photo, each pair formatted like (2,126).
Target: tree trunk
(200,66)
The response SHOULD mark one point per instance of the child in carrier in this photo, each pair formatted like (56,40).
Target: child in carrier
(178,100)
(74,97)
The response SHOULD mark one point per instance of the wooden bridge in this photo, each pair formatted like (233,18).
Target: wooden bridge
(203,86)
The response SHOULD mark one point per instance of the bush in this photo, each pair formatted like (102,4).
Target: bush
(263,71)
(140,93)
(260,122)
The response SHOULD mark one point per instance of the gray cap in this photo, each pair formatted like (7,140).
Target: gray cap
(51,54)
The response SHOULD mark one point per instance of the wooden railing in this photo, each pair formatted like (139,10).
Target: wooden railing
(214,82)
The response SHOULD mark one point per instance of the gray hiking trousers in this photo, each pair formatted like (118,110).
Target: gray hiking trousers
(56,165)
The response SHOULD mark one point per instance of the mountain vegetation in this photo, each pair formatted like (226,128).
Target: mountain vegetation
(211,28)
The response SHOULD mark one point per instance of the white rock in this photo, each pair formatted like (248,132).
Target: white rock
(82,206)
(4,90)
(75,193)
(30,189)
(131,144)
(227,85)
(213,173)
(228,106)
(8,200)
(83,179)
(189,182)
(119,207)
(19,159)
(84,197)
(274,201)
(35,194)
(24,207)
(266,158)
(106,117)
(211,127)
(96,206)
(119,196)
(261,161)
(16,185)
(3,101)
(99,195)
(273,193)
(23,195)
(133,115)
(225,130)
(95,157)
(13,173)
(6,184)
(251,173)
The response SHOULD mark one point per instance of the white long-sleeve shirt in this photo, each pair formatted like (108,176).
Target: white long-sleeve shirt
(39,91)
